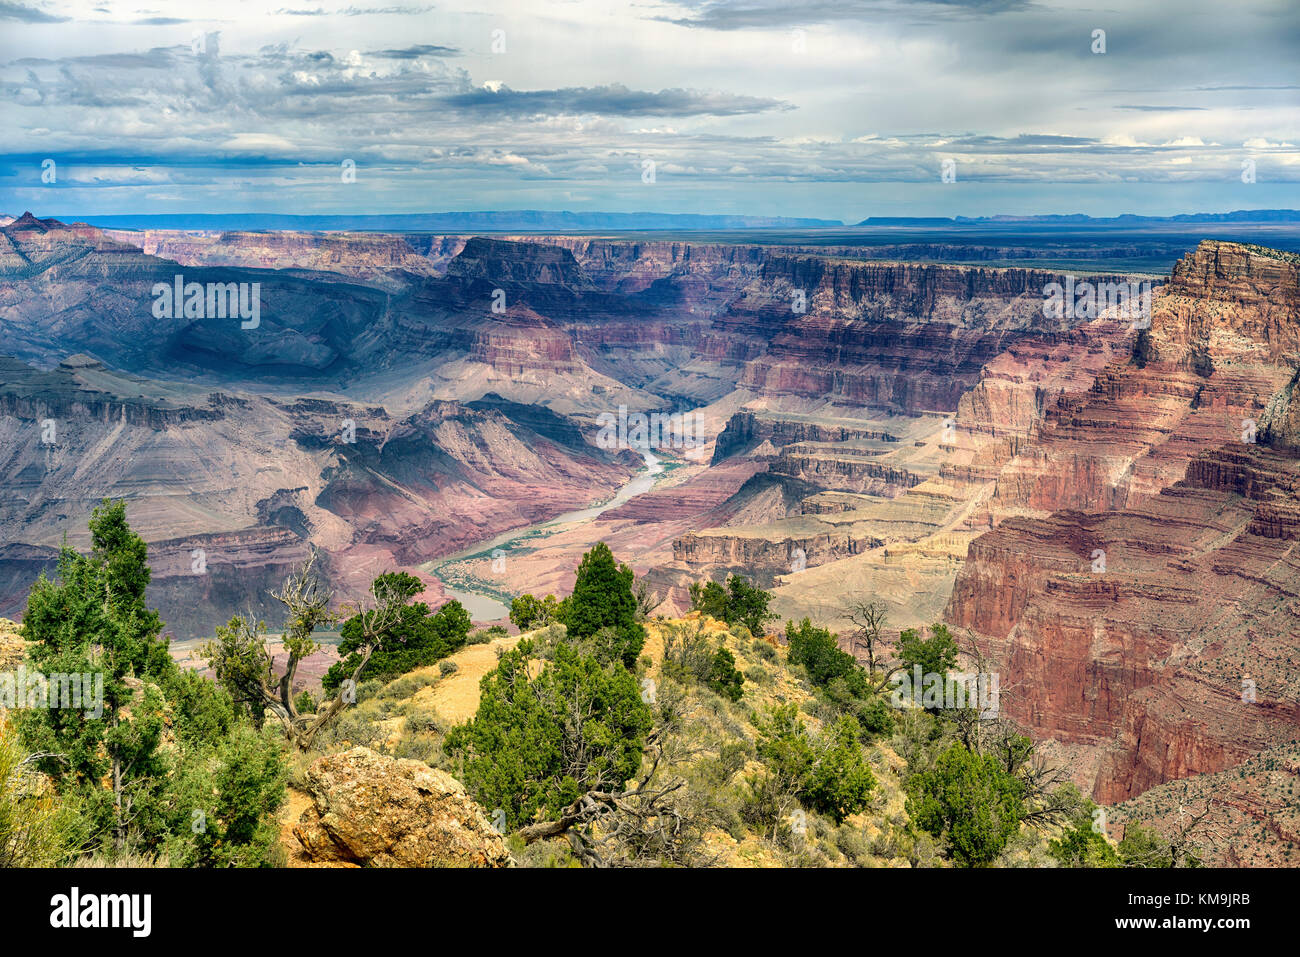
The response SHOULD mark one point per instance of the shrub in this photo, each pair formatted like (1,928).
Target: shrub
(543,737)
(417,639)
(759,675)
(840,781)
(817,650)
(407,686)
(972,800)
(724,679)
(934,655)
(529,612)
(738,603)
(688,652)
(425,720)
(37,828)
(228,805)
(828,774)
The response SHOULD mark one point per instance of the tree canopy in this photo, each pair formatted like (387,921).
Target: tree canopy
(603,597)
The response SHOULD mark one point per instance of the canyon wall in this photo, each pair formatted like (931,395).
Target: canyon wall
(1162,575)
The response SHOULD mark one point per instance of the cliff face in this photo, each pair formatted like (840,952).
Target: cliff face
(1217,351)
(844,469)
(768,558)
(902,337)
(519,262)
(1131,618)
(357,255)
(747,429)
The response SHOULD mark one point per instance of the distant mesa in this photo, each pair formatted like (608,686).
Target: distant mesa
(1126,219)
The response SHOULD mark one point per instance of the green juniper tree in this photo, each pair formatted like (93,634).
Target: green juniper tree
(971,800)
(548,732)
(92,619)
(603,598)
(738,602)
(415,639)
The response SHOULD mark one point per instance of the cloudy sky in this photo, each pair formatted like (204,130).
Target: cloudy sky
(838,110)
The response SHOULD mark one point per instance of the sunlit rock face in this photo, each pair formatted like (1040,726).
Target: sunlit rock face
(1163,585)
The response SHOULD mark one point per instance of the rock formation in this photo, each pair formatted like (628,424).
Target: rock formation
(1152,618)
(370,810)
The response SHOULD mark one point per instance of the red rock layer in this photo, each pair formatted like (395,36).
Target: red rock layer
(1143,659)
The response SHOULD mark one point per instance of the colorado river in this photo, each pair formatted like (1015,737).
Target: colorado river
(484,606)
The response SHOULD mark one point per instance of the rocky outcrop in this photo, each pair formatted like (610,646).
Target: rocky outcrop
(844,469)
(748,429)
(767,557)
(370,810)
(517,263)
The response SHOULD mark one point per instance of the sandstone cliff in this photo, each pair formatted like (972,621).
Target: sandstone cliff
(1152,619)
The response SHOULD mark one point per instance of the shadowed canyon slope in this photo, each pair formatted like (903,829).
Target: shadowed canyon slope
(921,433)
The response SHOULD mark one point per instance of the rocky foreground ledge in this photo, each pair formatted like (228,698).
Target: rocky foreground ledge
(369,810)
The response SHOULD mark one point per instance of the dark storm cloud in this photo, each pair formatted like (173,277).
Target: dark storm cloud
(415,52)
(25,14)
(742,14)
(1162,109)
(614,100)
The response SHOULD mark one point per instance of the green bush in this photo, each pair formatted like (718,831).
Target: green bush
(528,612)
(542,737)
(738,603)
(227,804)
(724,678)
(971,800)
(840,781)
(416,640)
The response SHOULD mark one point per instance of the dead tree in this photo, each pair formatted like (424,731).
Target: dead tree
(240,657)
(646,600)
(637,826)
(868,617)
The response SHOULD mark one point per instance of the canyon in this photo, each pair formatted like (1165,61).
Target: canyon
(1104,507)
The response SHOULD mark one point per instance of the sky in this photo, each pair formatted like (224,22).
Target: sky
(836,110)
